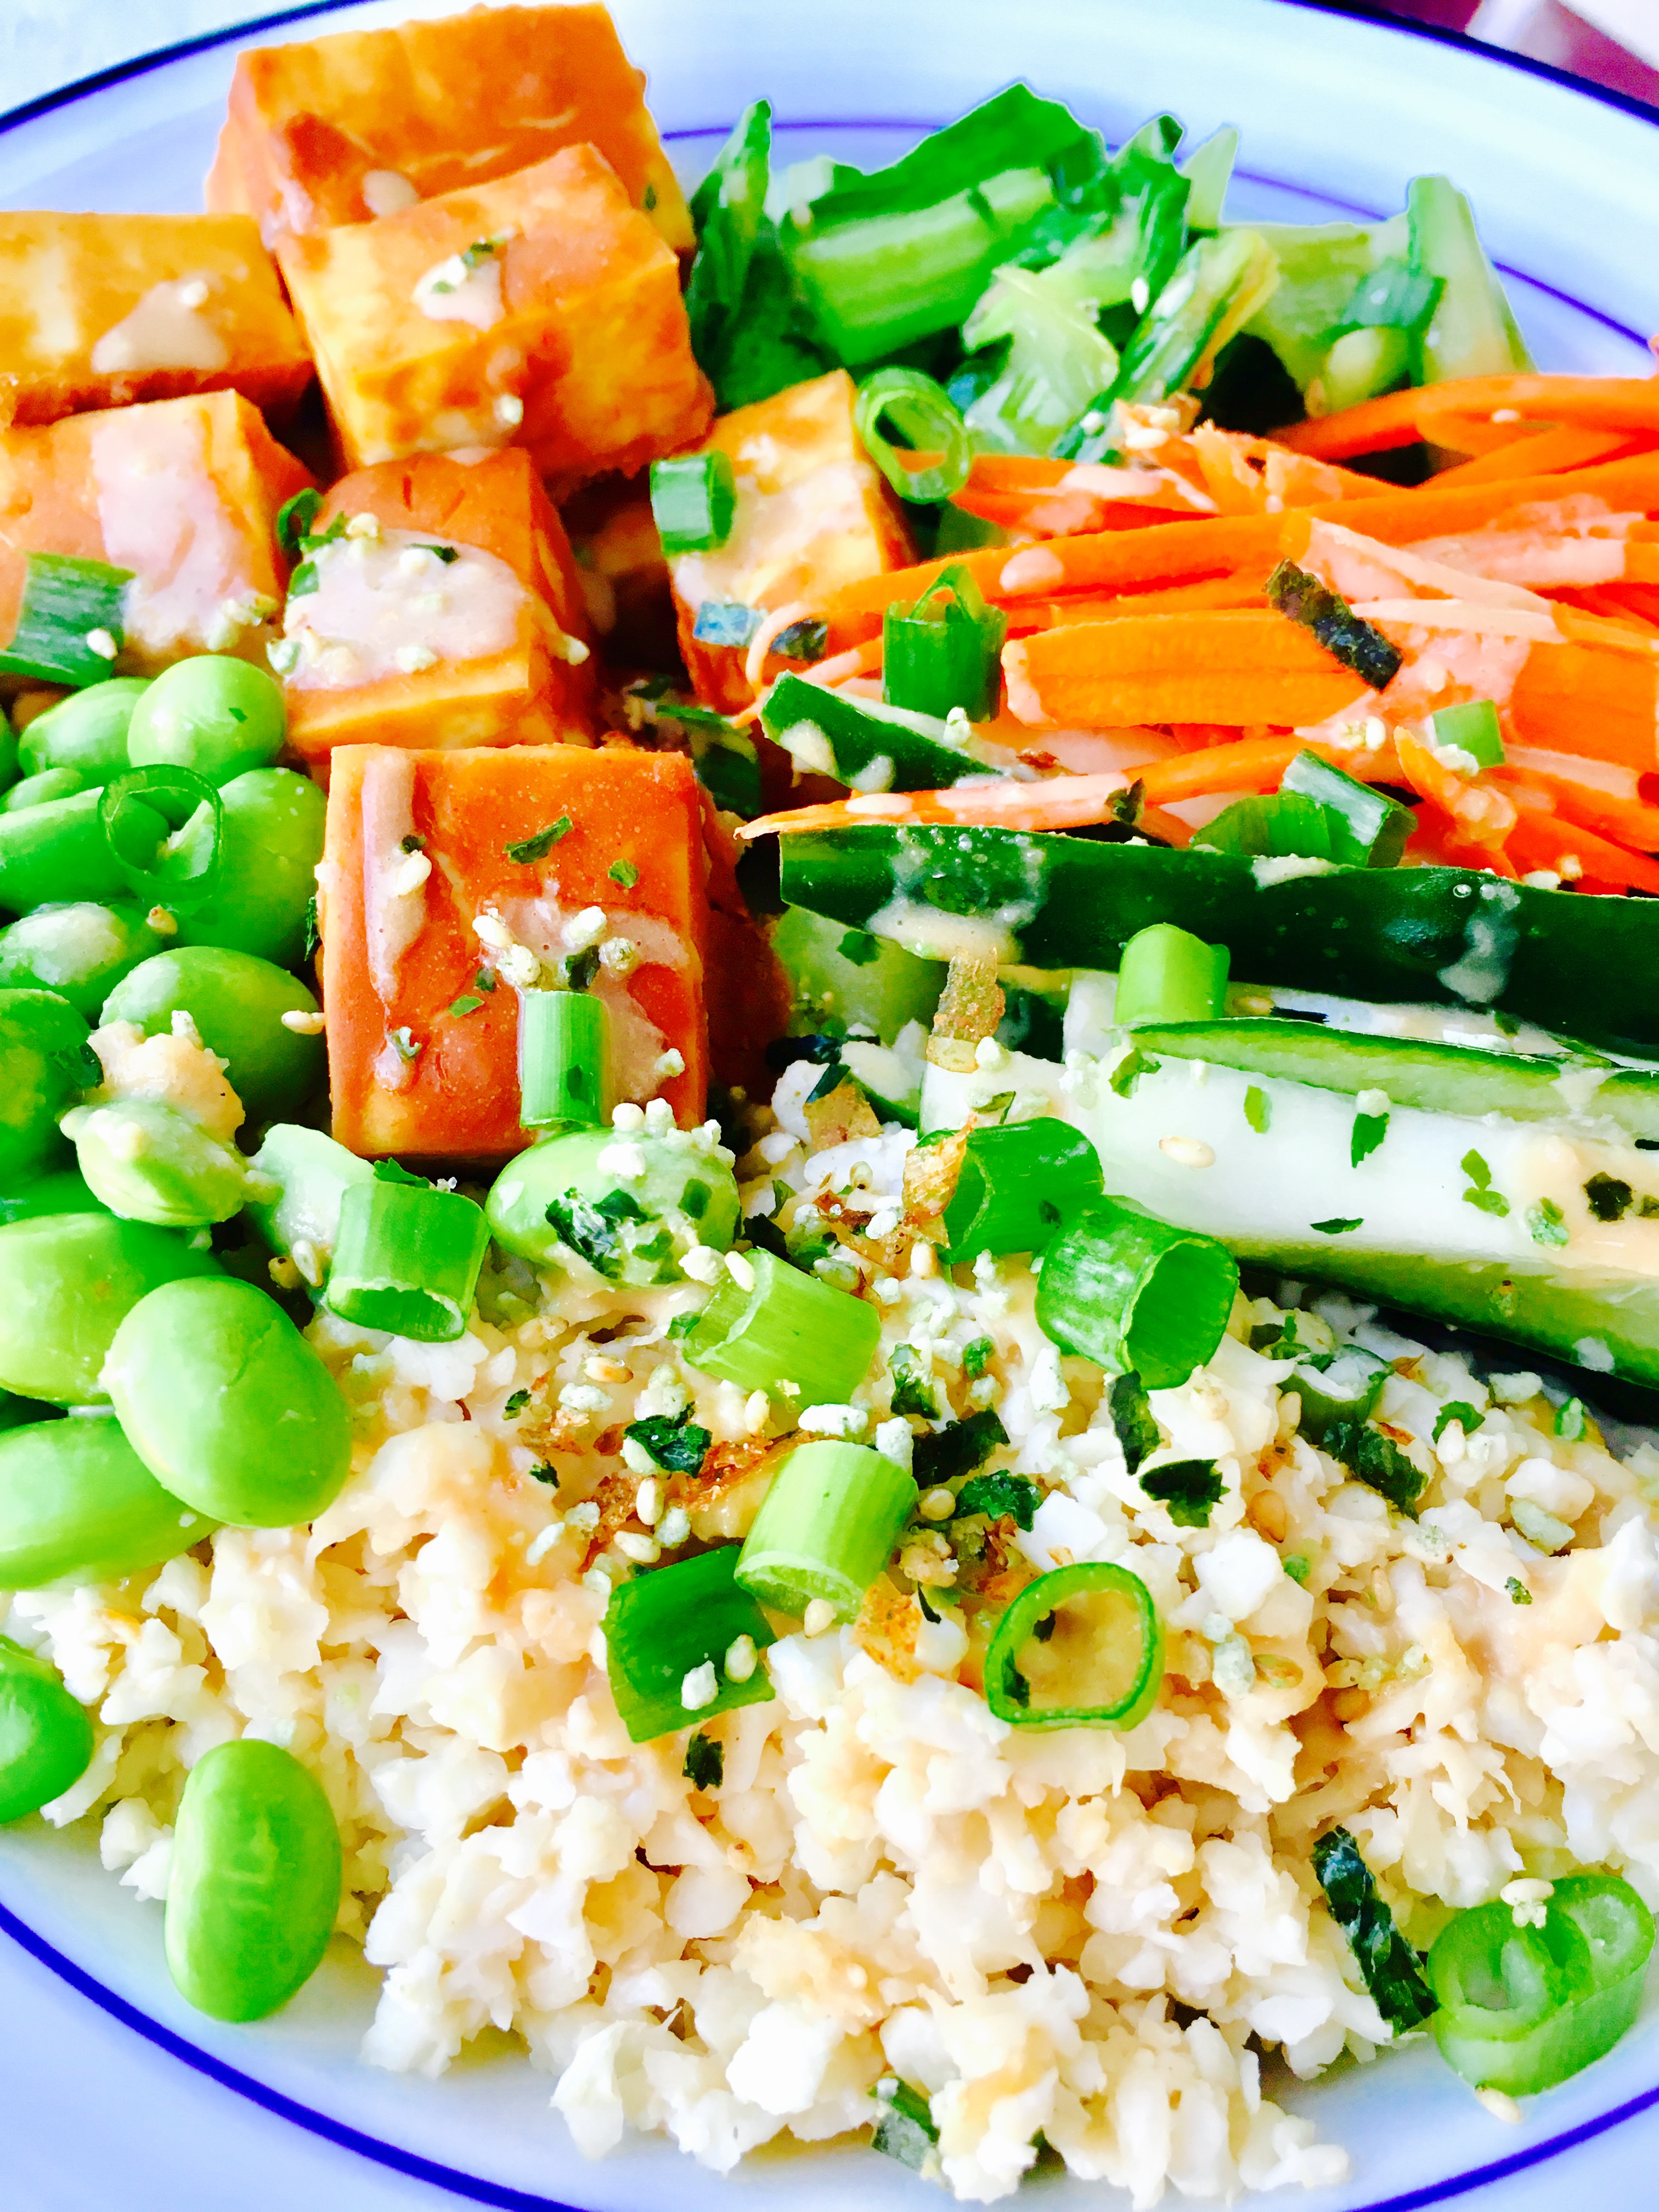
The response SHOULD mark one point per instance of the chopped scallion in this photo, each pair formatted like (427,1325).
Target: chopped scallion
(1128,1290)
(826,1527)
(1168,975)
(1016,1183)
(1474,729)
(182,868)
(561,1056)
(790,1327)
(694,502)
(69,627)
(662,1629)
(406,1259)
(1080,1647)
(1367,829)
(923,414)
(945,652)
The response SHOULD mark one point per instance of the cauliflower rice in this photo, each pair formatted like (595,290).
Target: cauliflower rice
(1081,1935)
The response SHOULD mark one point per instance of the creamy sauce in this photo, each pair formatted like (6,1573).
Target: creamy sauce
(450,291)
(162,515)
(392,919)
(775,535)
(1035,570)
(167,329)
(385,606)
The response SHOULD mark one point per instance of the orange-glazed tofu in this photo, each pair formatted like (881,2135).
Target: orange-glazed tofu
(542,310)
(101,310)
(533,855)
(813,512)
(337,129)
(448,614)
(184,493)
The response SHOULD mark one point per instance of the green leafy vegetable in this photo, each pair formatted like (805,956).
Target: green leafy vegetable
(705,1762)
(1369,1131)
(1339,1224)
(678,1446)
(1190,1489)
(977,1357)
(1392,1970)
(1377,1461)
(1129,1070)
(996,1494)
(515,1405)
(1481,1195)
(538,847)
(623,873)
(591,1226)
(906,2131)
(949,1453)
(1458,1410)
(912,1392)
(1136,1431)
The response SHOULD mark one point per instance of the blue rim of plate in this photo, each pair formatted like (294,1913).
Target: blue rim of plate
(473,2187)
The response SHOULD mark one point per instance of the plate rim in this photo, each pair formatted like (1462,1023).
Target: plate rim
(476,2188)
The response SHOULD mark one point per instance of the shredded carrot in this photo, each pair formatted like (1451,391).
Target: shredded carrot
(1594,403)
(1060,802)
(1626,822)
(1231,664)
(1483,814)
(1576,698)
(1541,841)
(1541,452)
(1249,764)
(1247,588)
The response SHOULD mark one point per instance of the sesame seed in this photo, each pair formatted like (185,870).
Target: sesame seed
(741,1659)
(303,1024)
(644,1552)
(1186,1152)
(820,1615)
(938,1504)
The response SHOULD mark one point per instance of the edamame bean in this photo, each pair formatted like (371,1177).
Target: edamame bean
(67,1282)
(59,851)
(237,1003)
(253,1883)
(228,1406)
(63,1190)
(9,754)
(148,1162)
(213,714)
(87,731)
(78,1505)
(38,790)
(80,951)
(307,1175)
(569,1194)
(47,1062)
(272,842)
(46,1735)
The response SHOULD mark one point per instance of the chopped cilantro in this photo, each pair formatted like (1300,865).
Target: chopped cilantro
(313,928)
(1191,1489)
(860,948)
(1546,1223)
(468,1003)
(1518,1592)
(1258,1109)
(515,1405)
(623,873)
(402,1042)
(948,1453)
(1132,1419)
(1298,1566)
(592,1227)
(995,1495)
(1391,1969)
(912,1392)
(538,847)
(1377,1461)
(444,553)
(1607,1198)
(545,1471)
(679,1447)
(977,1357)
(484,981)
(1129,1070)
(1571,1419)
(580,967)
(304,581)
(1339,1224)
(391,1171)
(1458,1410)
(1125,805)
(906,2131)
(705,1762)
(1369,1131)
(683,1324)
(412,843)
(1480,1195)
(295,518)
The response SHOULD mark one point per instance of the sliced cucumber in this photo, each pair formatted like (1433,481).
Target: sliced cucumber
(891,1082)
(1472,331)
(842,977)
(1438,1078)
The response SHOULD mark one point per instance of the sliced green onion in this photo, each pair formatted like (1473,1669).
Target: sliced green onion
(68,620)
(694,502)
(295,518)
(922,412)
(1081,1647)
(946,651)
(668,1636)
(867,744)
(1163,968)
(1343,1388)
(1275,826)
(562,1054)
(826,1527)
(1358,644)
(726,621)
(1367,829)
(182,870)
(1015,1184)
(1127,1291)
(790,1327)
(1474,729)
(406,1259)
(1522,2008)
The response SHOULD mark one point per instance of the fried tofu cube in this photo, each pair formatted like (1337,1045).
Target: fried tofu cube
(341,128)
(102,310)
(448,614)
(541,311)
(813,512)
(420,965)
(182,492)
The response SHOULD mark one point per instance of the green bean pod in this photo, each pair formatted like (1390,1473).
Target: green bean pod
(228,1406)
(237,1003)
(67,1280)
(46,1735)
(254,1882)
(78,1505)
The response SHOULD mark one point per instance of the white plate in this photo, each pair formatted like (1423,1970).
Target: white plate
(112,2091)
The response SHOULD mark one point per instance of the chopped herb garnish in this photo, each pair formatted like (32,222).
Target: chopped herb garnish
(1480,1193)
(412,843)
(1303,598)
(803,640)
(545,1471)
(1375,1459)
(481,250)
(444,553)
(313,929)
(538,847)
(994,1495)
(394,1171)
(1571,1419)
(977,1357)
(304,581)
(1369,1131)
(912,1392)
(580,967)
(1125,805)
(1258,1109)
(402,1042)
(1132,1419)
(295,518)
(1518,1592)
(1129,1070)
(623,873)
(1298,1566)
(957,1450)
(860,948)
(678,1446)
(1339,1224)
(484,981)
(705,1762)
(906,2131)
(1190,1489)
(683,1324)
(515,1405)
(1607,1197)
(1391,1969)
(592,1227)
(1458,1410)
(468,1003)
(1546,1223)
